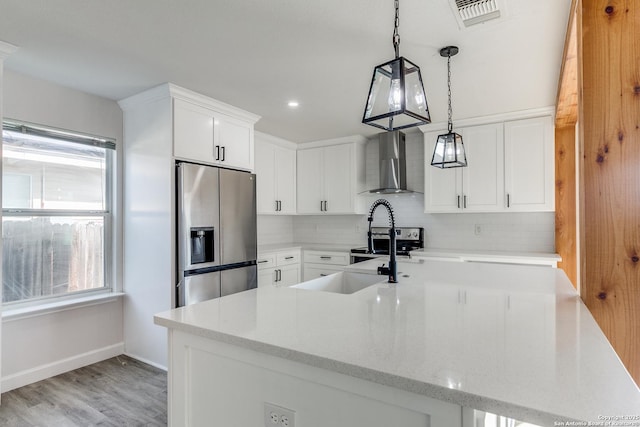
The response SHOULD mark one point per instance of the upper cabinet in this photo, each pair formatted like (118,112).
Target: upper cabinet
(206,131)
(276,175)
(511,168)
(529,166)
(330,177)
(476,188)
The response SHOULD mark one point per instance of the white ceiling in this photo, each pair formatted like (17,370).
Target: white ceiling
(259,54)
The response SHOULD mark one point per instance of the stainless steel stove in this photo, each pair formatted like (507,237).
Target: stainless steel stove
(407,240)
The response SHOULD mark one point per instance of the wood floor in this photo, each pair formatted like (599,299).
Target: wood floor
(116,392)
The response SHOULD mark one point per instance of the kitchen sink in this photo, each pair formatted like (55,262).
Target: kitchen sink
(341,283)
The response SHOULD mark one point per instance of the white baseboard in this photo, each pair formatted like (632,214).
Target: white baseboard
(147,361)
(58,367)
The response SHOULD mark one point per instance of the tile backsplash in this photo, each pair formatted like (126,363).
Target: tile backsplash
(525,232)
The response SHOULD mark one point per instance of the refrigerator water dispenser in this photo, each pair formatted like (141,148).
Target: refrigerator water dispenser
(201,244)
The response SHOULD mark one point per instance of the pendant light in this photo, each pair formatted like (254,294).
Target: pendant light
(449,149)
(396,96)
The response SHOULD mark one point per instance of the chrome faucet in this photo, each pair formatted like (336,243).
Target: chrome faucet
(392,270)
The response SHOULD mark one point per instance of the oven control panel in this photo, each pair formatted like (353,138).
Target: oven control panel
(402,233)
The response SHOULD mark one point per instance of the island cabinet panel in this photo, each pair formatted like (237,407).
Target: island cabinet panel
(329,179)
(217,381)
(276,172)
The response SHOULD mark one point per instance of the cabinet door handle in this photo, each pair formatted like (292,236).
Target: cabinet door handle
(217,152)
(458,201)
(464,203)
(222,148)
(276,206)
(325,206)
(325,257)
(321,206)
(508,201)
(279,205)
(278,275)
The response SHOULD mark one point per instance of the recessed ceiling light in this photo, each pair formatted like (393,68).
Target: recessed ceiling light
(293,104)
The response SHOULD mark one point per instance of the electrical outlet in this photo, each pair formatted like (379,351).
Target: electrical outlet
(477,229)
(277,416)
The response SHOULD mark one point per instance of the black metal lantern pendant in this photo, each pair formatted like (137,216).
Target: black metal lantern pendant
(449,149)
(396,96)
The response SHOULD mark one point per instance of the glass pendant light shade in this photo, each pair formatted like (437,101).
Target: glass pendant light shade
(396,97)
(449,151)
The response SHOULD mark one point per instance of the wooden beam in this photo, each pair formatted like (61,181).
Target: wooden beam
(566,208)
(567,98)
(610,175)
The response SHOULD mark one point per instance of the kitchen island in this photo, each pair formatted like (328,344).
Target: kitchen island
(512,340)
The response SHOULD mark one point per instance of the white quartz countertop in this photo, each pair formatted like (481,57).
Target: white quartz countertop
(483,255)
(309,246)
(509,339)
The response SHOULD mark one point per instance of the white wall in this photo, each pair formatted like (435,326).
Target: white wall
(38,346)
(498,231)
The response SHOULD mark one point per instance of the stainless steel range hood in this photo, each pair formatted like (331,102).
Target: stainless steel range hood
(393,170)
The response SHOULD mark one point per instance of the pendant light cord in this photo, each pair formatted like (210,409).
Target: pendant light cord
(449,92)
(396,24)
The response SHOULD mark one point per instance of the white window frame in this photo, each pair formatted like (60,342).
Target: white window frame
(107,214)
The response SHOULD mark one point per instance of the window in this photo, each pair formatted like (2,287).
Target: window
(56,212)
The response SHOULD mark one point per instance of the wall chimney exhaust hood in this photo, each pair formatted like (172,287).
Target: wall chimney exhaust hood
(393,171)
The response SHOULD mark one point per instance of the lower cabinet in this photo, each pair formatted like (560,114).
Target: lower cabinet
(323,263)
(279,268)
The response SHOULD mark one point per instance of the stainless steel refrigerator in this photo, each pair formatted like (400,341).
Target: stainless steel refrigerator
(216,229)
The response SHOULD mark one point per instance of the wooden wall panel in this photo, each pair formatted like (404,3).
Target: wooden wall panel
(610,171)
(566,209)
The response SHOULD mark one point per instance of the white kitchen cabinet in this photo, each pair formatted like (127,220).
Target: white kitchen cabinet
(529,164)
(204,135)
(193,132)
(322,263)
(280,268)
(329,179)
(475,188)
(276,171)
(511,169)
(155,134)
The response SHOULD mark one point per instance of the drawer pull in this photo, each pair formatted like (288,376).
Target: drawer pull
(262,261)
(322,275)
(325,257)
(289,257)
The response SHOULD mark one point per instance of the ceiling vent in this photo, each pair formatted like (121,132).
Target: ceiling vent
(471,12)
